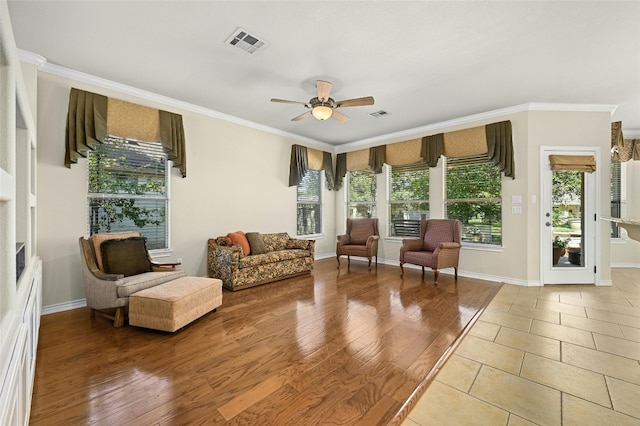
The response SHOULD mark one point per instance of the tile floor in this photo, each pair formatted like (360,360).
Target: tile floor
(553,355)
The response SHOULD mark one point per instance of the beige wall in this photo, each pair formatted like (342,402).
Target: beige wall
(237,178)
(518,261)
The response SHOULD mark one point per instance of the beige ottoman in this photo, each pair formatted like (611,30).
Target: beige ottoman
(174,304)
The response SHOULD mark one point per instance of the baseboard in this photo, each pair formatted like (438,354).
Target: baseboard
(625,265)
(66,306)
(467,274)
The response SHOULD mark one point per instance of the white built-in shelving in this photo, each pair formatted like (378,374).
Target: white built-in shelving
(20,274)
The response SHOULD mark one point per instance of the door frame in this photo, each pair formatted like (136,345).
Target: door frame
(592,216)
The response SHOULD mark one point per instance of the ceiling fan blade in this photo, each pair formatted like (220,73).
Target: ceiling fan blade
(301,116)
(367,100)
(284,101)
(340,117)
(324,90)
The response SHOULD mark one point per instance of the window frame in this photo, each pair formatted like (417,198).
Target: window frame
(166,198)
(373,204)
(617,182)
(418,167)
(320,203)
(468,237)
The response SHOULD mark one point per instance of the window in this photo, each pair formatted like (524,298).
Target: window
(408,199)
(473,196)
(616,196)
(128,190)
(361,194)
(310,204)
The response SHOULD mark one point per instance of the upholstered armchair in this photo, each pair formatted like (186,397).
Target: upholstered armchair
(108,282)
(361,240)
(437,248)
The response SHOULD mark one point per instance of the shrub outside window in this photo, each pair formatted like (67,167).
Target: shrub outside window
(361,194)
(309,202)
(474,197)
(128,190)
(408,199)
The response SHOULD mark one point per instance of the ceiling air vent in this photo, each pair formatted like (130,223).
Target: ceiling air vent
(379,114)
(245,41)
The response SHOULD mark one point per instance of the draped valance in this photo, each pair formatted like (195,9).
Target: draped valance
(622,149)
(576,163)
(303,159)
(491,143)
(92,117)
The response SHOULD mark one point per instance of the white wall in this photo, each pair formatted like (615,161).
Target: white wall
(237,179)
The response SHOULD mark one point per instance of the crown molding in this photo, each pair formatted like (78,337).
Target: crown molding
(49,68)
(432,129)
(44,66)
(31,58)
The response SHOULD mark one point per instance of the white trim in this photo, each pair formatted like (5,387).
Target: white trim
(472,119)
(81,77)
(604,283)
(625,265)
(44,66)
(65,306)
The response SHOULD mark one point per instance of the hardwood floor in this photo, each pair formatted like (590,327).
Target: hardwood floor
(349,347)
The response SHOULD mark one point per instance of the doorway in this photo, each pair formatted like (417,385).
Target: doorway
(568,226)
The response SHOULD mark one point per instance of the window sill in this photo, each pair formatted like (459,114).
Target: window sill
(159,253)
(481,247)
(310,237)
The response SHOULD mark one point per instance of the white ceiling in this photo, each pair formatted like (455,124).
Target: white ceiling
(424,62)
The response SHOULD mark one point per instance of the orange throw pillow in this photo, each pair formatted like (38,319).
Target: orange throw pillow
(240,239)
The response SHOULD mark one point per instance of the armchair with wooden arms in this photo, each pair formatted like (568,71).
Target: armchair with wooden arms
(107,292)
(437,248)
(361,239)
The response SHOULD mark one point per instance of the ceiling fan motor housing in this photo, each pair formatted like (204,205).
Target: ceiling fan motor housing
(314,102)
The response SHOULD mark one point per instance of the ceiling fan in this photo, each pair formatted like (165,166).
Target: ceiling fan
(323,107)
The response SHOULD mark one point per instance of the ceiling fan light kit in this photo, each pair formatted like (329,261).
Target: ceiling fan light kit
(323,107)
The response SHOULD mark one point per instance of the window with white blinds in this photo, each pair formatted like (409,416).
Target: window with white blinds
(616,196)
(309,202)
(408,199)
(361,194)
(474,197)
(129,190)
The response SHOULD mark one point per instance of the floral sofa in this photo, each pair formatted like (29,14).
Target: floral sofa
(279,257)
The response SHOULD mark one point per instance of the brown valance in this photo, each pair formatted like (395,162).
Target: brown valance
(622,149)
(377,158)
(432,149)
(465,143)
(303,159)
(91,117)
(500,147)
(400,153)
(576,163)
(341,169)
(358,160)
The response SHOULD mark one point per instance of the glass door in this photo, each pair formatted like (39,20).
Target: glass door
(568,223)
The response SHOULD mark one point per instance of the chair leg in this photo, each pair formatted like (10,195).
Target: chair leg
(436,272)
(455,268)
(348,260)
(338,259)
(118,320)
(369,263)
(423,272)
(401,269)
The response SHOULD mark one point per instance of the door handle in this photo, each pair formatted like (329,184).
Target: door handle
(547,224)
(548,214)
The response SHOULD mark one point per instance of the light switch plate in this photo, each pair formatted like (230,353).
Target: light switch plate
(516,210)
(516,199)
